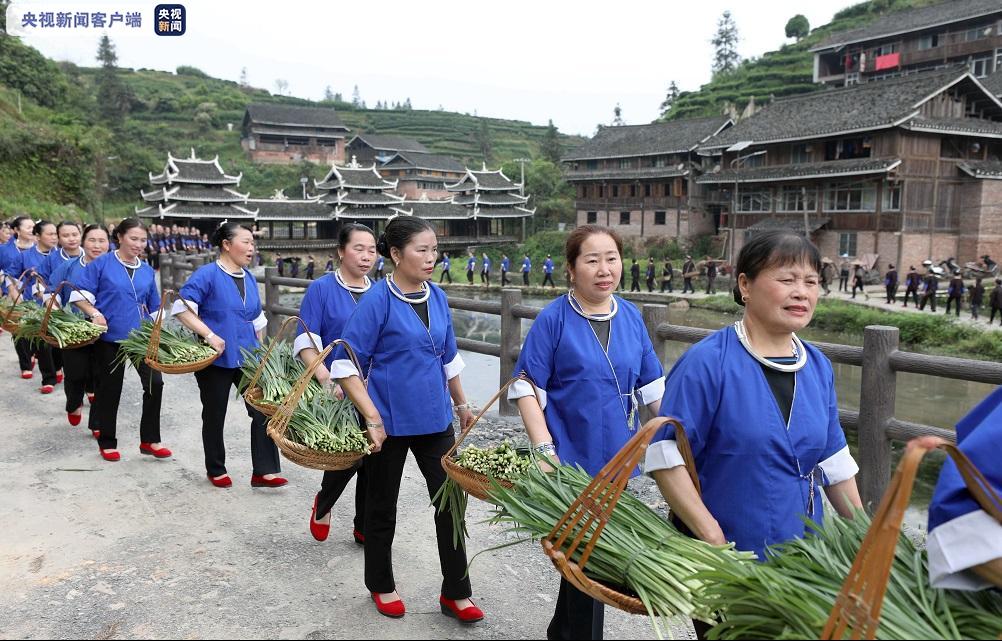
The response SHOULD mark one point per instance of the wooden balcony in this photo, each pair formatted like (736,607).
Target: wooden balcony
(631,204)
(953,48)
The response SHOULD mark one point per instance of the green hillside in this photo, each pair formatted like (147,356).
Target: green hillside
(785,72)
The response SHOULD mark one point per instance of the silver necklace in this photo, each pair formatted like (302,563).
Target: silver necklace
(798,350)
(576,306)
(354,289)
(395,290)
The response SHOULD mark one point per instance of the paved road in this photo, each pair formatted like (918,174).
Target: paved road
(147,548)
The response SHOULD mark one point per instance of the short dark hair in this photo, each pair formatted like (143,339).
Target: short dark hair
(774,248)
(572,248)
(127,225)
(344,234)
(40,227)
(67,223)
(227,231)
(399,232)
(92,228)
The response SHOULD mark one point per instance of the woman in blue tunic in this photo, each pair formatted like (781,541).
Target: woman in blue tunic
(590,357)
(31,259)
(403,336)
(759,409)
(965,541)
(79,363)
(226,313)
(68,248)
(325,309)
(119,291)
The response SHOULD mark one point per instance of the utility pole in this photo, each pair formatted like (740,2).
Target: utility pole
(521,162)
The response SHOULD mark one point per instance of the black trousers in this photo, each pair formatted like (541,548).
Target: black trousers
(214,389)
(485,276)
(914,294)
(445,275)
(995,310)
(548,278)
(504,277)
(469,276)
(525,278)
(650,284)
(385,470)
(333,486)
(951,300)
(843,282)
(79,368)
(931,298)
(25,350)
(634,285)
(57,358)
(577,615)
(687,286)
(109,392)
(892,291)
(666,284)
(710,280)
(975,308)
(857,284)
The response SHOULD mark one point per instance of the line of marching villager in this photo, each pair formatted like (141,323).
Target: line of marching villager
(374,372)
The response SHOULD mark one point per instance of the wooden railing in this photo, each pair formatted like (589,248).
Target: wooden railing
(879,358)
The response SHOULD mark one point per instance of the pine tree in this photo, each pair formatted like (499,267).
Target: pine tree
(243,76)
(551,144)
(356,98)
(484,139)
(338,97)
(617,120)
(670,99)
(113,98)
(725,44)
(407,104)
(328,94)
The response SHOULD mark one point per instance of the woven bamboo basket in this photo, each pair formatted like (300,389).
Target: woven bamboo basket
(592,509)
(254,395)
(474,483)
(43,330)
(12,318)
(278,426)
(857,607)
(153,349)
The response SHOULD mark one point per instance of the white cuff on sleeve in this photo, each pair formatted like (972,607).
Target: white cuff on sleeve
(260,322)
(179,307)
(521,388)
(82,295)
(663,455)
(454,367)
(653,391)
(344,368)
(958,545)
(839,467)
(303,341)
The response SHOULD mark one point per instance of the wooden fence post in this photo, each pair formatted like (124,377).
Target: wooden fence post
(876,407)
(166,271)
(271,298)
(654,315)
(511,338)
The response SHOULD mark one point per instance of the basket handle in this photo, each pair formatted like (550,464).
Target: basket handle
(33,275)
(861,598)
(44,329)
(167,297)
(487,406)
(288,322)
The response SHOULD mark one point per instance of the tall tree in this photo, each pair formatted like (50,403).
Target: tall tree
(328,93)
(670,99)
(243,76)
(725,45)
(356,98)
(551,144)
(407,104)
(281,86)
(798,27)
(484,139)
(617,116)
(113,98)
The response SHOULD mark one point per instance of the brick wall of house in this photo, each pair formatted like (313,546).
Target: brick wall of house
(650,230)
(292,155)
(412,190)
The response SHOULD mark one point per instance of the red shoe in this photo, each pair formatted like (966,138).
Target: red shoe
(260,481)
(225,481)
(96,434)
(146,448)
(320,531)
(59,377)
(358,536)
(469,614)
(110,456)
(394,609)
(90,399)
(47,389)
(26,375)
(74,419)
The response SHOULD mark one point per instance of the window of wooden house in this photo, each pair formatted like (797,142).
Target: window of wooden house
(977,33)
(624,218)
(951,148)
(981,67)
(667,188)
(929,41)
(755,200)
(601,191)
(998,57)
(847,244)
(892,197)
(886,49)
(625,163)
(845,148)
(615,191)
(846,196)
(311,230)
(660,218)
(800,153)
(752,161)
(633,191)
(281,230)
(592,217)
(298,230)
(799,199)
(582,189)
(660,161)
(647,190)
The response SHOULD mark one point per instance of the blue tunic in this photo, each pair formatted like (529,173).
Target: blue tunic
(526,264)
(52,261)
(325,310)
(586,404)
(233,318)
(548,266)
(505,264)
(471,264)
(446,263)
(125,302)
(754,469)
(408,364)
(379,264)
(31,259)
(66,271)
(487,264)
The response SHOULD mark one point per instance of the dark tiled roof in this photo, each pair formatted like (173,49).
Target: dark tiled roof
(913,20)
(193,171)
(436,210)
(187,210)
(205,194)
(297,131)
(273,114)
(993,83)
(292,210)
(490,198)
(626,174)
(369,213)
(674,136)
(873,105)
(802,171)
(355,177)
(389,142)
(503,212)
(794,223)
(361,198)
(983,168)
(489,180)
(974,126)
(420,160)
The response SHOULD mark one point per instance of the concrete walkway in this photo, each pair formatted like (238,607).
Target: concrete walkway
(147,548)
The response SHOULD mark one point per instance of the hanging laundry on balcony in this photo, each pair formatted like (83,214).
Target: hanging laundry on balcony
(888,61)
